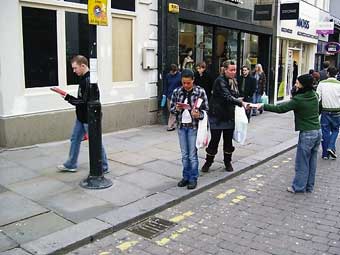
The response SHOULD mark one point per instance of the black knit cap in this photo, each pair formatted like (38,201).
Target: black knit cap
(306,80)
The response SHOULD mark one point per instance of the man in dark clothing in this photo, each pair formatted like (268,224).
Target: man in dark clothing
(203,78)
(171,82)
(247,87)
(80,67)
(323,73)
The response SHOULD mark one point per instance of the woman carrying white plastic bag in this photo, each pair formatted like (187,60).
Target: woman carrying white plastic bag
(203,132)
(241,125)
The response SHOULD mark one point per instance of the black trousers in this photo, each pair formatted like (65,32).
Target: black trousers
(215,140)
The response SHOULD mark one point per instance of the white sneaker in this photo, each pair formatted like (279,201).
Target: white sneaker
(291,190)
(65,169)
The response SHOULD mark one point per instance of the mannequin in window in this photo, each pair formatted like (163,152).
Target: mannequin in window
(188,62)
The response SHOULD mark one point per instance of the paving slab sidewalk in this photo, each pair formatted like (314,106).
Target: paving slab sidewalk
(46,212)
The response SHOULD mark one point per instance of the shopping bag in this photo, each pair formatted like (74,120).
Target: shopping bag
(203,132)
(241,125)
(264,98)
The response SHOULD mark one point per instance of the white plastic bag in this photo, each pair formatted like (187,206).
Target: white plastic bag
(203,132)
(241,124)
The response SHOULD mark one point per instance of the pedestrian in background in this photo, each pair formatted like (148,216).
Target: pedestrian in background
(261,81)
(184,104)
(323,72)
(305,104)
(171,82)
(203,78)
(329,92)
(80,68)
(247,86)
(222,116)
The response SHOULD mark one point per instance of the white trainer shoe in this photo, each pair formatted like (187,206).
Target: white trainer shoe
(65,169)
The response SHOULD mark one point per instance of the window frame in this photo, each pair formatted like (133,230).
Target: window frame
(61,7)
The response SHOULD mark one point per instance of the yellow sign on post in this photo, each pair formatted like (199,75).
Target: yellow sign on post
(173,8)
(97,12)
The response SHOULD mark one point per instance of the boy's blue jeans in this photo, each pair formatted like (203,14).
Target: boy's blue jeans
(78,133)
(306,160)
(187,141)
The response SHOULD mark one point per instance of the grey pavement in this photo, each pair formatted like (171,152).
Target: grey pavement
(251,214)
(44,211)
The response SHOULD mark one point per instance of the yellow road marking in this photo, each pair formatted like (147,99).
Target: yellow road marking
(223,195)
(163,241)
(126,245)
(105,253)
(181,217)
(252,179)
(241,197)
(259,175)
(252,190)
(275,166)
(173,236)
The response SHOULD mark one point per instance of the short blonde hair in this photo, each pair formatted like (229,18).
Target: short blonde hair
(79,59)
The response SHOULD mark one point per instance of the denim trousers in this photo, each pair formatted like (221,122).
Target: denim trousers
(256,99)
(306,160)
(330,123)
(187,141)
(78,133)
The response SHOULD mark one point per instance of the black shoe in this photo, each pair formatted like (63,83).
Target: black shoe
(228,166)
(170,129)
(183,183)
(205,167)
(192,185)
(332,153)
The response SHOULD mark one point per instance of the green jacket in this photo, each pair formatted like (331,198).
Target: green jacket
(305,107)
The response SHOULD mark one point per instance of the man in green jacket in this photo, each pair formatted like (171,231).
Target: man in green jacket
(305,104)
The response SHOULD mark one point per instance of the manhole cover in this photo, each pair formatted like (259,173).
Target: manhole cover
(151,227)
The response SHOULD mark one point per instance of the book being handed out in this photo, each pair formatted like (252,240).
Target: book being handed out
(59,91)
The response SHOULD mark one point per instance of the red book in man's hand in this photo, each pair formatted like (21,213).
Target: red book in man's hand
(59,91)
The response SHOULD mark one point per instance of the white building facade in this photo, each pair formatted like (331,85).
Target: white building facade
(297,42)
(39,37)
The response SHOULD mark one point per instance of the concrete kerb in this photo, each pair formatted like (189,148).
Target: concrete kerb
(63,241)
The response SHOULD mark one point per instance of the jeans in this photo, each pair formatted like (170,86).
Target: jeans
(256,99)
(187,141)
(306,160)
(78,133)
(330,123)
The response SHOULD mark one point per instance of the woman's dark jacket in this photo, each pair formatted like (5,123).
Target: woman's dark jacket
(205,81)
(223,100)
(262,84)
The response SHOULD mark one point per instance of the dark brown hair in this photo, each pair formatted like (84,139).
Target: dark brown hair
(79,59)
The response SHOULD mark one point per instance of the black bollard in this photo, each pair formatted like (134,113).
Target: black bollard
(96,179)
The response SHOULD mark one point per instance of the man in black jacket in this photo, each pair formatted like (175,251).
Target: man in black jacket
(247,87)
(203,78)
(80,68)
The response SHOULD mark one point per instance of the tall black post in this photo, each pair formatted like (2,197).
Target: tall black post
(96,179)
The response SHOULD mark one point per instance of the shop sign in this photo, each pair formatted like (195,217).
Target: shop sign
(289,11)
(263,12)
(97,12)
(173,8)
(325,28)
(332,47)
(302,23)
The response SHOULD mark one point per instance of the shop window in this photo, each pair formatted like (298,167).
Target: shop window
(195,42)
(226,45)
(128,5)
(282,71)
(40,47)
(77,41)
(249,50)
(121,49)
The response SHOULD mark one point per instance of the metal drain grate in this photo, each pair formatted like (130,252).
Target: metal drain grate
(151,227)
